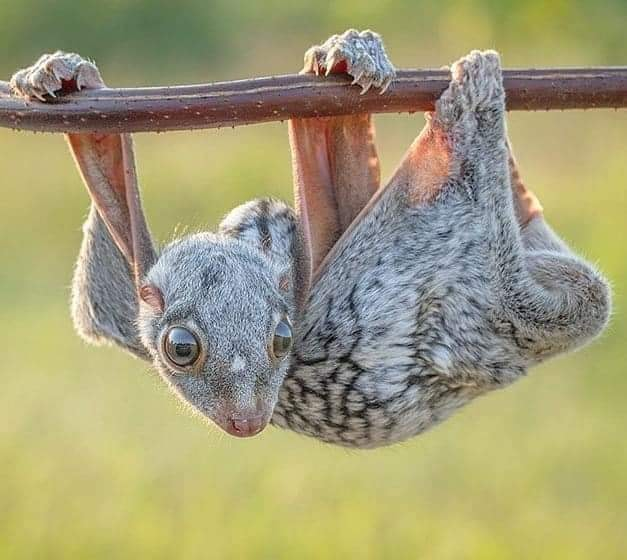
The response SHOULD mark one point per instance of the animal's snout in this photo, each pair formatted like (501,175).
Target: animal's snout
(246,427)
(243,423)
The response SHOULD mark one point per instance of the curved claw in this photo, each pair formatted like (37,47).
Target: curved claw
(46,76)
(50,91)
(357,78)
(384,87)
(333,58)
(364,55)
(365,88)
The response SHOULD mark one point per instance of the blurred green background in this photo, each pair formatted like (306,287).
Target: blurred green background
(97,460)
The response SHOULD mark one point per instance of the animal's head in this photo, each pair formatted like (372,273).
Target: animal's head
(218,326)
(215,311)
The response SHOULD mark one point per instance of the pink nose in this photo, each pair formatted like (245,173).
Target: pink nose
(243,421)
(245,427)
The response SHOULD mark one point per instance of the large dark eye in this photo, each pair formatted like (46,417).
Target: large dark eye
(282,341)
(181,346)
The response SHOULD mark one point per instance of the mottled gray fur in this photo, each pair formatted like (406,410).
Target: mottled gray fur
(418,310)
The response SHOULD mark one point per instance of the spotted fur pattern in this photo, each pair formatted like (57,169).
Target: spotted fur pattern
(423,308)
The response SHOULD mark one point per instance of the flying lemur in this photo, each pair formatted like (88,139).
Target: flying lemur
(367,314)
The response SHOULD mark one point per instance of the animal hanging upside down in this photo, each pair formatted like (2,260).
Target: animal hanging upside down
(367,314)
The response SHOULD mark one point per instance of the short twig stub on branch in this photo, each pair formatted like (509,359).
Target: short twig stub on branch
(283,97)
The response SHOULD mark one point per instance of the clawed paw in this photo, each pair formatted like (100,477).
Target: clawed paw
(52,73)
(478,76)
(359,54)
(476,88)
(476,82)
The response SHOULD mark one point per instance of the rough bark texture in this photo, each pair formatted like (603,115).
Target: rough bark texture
(284,97)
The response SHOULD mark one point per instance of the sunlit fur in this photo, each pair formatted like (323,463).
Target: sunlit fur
(426,304)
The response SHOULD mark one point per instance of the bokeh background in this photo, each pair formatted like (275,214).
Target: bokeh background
(97,460)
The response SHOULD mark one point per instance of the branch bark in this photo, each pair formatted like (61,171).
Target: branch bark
(279,98)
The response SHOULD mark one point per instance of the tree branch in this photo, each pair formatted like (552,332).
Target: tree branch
(283,97)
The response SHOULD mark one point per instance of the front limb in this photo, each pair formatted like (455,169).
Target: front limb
(104,299)
(334,159)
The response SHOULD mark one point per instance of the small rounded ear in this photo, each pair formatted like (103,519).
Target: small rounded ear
(150,294)
(285,282)
(273,227)
(107,165)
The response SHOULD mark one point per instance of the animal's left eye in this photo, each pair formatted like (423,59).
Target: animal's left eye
(282,341)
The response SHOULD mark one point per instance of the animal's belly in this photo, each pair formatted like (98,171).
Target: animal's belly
(380,350)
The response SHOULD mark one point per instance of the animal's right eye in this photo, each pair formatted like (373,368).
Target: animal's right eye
(282,340)
(181,346)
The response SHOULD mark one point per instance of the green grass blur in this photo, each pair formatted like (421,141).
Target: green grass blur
(97,460)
